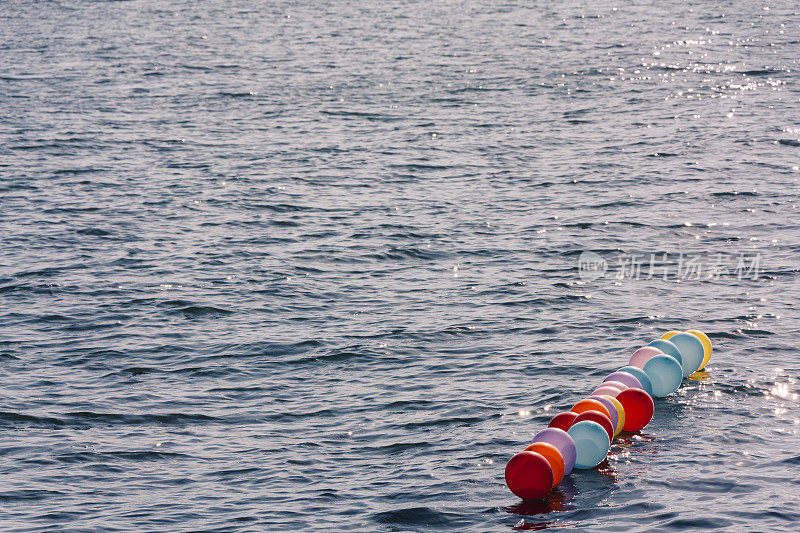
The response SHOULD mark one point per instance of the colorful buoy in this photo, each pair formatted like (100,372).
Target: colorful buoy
(600,418)
(606,390)
(638,407)
(612,409)
(590,405)
(642,355)
(706,346)
(553,456)
(591,443)
(692,352)
(669,348)
(562,420)
(620,415)
(665,374)
(529,475)
(561,440)
(627,379)
(639,374)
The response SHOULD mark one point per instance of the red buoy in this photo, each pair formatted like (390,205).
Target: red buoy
(638,407)
(563,420)
(553,456)
(600,418)
(529,475)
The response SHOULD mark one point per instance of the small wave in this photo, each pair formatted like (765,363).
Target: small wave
(59,210)
(189,165)
(233,472)
(759,72)
(50,271)
(600,251)
(400,447)
(43,288)
(617,203)
(713,486)
(543,301)
(271,350)
(78,171)
(344,354)
(635,320)
(285,223)
(756,332)
(28,495)
(420,517)
(420,167)
(742,390)
(724,194)
(138,420)
(400,254)
(136,371)
(410,405)
(278,208)
(375,117)
(699,524)
(456,421)
(19,417)
(96,232)
(83,418)
(91,457)
(191,309)
(739,333)
(248,94)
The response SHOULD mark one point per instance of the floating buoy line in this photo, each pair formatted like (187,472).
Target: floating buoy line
(623,402)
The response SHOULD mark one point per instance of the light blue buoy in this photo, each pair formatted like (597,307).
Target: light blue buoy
(691,349)
(591,443)
(665,374)
(668,348)
(639,374)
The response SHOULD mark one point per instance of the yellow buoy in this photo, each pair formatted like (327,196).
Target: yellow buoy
(706,346)
(620,414)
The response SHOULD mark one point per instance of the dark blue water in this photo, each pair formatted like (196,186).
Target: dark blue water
(314,265)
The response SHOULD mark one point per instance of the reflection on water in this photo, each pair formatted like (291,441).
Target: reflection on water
(557,501)
(625,440)
(606,470)
(581,489)
(591,487)
(524,525)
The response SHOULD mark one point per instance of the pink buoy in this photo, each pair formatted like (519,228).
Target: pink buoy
(606,390)
(624,377)
(618,384)
(609,387)
(642,355)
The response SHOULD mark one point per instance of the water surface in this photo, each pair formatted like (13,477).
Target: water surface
(314,265)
